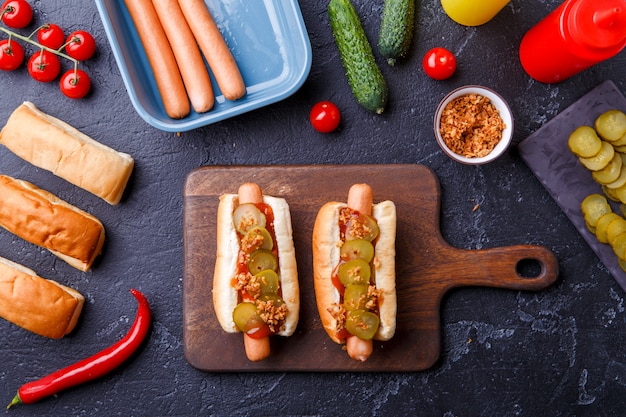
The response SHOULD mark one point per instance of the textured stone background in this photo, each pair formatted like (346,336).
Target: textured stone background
(559,352)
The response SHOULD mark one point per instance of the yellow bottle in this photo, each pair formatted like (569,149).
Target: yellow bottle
(472,12)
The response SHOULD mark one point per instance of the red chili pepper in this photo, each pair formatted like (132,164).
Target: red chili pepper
(93,367)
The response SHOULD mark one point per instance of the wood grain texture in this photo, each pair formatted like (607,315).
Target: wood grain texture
(426,266)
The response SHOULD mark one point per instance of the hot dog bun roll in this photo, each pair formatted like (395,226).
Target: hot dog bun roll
(36,304)
(53,145)
(43,219)
(226,297)
(328,239)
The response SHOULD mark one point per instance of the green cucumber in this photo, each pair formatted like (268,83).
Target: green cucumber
(396,29)
(364,77)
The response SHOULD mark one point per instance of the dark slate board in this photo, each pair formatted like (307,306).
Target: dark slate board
(560,172)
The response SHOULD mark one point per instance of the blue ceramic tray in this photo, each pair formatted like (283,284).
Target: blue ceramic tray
(268,40)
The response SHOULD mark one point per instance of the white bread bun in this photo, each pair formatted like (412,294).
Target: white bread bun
(326,246)
(43,219)
(55,146)
(36,304)
(225,297)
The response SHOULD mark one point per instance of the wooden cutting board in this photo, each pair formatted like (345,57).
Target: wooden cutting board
(426,267)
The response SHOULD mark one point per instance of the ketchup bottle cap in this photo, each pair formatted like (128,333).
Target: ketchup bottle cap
(599,24)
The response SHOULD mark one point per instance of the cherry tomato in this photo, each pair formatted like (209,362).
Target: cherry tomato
(325,117)
(75,83)
(439,63)
(51,35)
(11,55)
(80,45)
(44,66)
(16,13)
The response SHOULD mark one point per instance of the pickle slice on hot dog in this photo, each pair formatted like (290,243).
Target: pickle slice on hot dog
(255,282)
(354,270)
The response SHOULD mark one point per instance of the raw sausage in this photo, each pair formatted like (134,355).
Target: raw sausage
(214,48)
(160,57)
(188,57)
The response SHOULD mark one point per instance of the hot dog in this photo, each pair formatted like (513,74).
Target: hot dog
(190,63)
(214,48)
(255,282)
(354,270)
(160,57)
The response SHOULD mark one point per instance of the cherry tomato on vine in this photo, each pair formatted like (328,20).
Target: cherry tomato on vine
(325,117)
(51,35)
(75,83)
(16,13)
(80,45)
(11,55)
(439,63)
(44,66)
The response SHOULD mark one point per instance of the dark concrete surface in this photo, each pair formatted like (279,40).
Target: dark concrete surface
(559,352)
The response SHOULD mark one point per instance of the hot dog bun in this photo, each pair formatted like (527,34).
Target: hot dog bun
(225,297)
(43,219)
(53,145)
(36,304)
(326,246)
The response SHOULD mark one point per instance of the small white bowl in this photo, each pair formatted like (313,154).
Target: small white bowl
(505,114)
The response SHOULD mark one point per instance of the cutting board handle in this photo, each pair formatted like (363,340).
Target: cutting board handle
(500,267)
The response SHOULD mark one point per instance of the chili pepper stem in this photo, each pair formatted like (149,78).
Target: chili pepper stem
(16,400)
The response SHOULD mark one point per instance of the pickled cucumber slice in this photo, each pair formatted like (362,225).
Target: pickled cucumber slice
(273,298)
(247,216)
(593,207)
(620,193)
(355,297)
(269,282)
(258,237)
(609,173)
(601,159)
(584,142)
(603,225)
(591,228)
(610,193)
(262,260)
(356,271)
(620,180)
(619,143)
(619,246)
(611,125)
(362,227)
(615,228)
(246,318)
(362,324)
(357,249)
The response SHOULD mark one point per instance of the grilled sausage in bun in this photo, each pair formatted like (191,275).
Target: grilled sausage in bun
(255,284)
(354,270)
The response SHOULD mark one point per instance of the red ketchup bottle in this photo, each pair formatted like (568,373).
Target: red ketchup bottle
(575,36)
